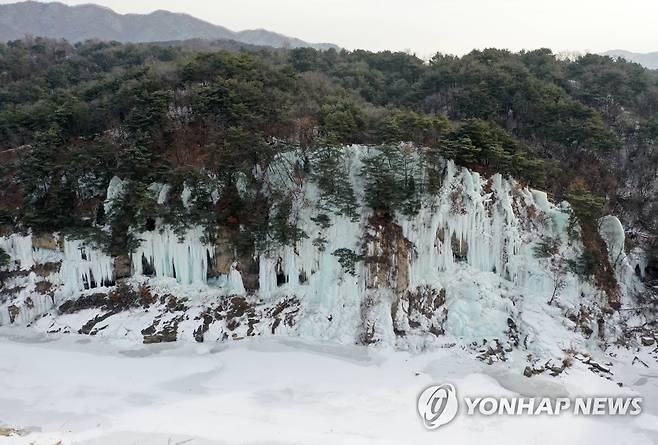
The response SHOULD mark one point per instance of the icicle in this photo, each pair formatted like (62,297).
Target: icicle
(19,248)
(185,259)
(266,276)
(84,267)
(465,215)
(290,267)
(235,284)
(613,234)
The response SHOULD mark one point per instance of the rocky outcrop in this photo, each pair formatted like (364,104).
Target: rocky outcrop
(46,241)
(420,311)
(388,255)
(223,258)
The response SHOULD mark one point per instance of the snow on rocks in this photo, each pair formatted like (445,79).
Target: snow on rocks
(40,277)
(461,271)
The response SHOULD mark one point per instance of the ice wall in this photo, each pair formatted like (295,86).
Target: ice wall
(84,267)
(61,274)
(472,221)
(472,243)
(19,249)
(81,267)
(309,271)
(183,257)
(474,240)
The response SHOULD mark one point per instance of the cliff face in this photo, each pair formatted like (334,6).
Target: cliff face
(636,168)
(465,269)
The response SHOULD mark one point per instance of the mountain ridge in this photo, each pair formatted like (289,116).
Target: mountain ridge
(648,60)
(91,21)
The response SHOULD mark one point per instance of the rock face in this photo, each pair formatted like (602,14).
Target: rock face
(420,311)
(45,241)
(223,257)
(462,269)
(388,255)
(637,201)
(122,266)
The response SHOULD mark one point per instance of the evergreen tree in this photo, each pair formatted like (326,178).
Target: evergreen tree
(332,177)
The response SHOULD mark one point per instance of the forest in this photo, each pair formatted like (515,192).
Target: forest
(74,116)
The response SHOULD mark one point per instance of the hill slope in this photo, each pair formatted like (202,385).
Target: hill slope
(78,23)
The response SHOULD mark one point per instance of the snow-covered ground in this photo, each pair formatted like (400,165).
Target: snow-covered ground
(95,390)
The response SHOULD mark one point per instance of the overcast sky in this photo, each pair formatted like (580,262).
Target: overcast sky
(428,26)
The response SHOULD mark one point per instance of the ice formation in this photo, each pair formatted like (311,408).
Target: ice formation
(464,266)
(482,224)
(612,232)
(65,274)
(84,267)
(186,196)
(19,249)
(115,190)
(475,240)
(183,257)
(235,284)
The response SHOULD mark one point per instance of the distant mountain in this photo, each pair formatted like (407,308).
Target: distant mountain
(649,60)
(77,23)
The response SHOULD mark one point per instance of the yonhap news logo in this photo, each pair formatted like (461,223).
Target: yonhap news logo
(438,405)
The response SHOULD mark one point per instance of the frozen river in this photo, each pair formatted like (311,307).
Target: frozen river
(88,390)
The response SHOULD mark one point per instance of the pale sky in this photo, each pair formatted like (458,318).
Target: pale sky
(428,26)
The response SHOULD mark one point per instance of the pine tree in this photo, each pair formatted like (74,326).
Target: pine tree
(333,179)
(587,208)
